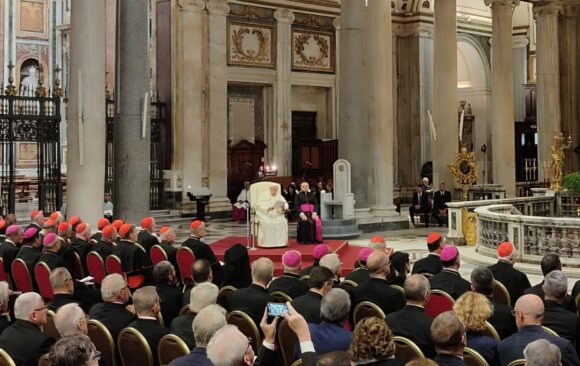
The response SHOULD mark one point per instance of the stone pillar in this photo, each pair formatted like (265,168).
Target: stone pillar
(445,90)
(132,136)
(218,109)
(548,78)
(502,94)
(569,52)
(353,134)
(520,68)
(190,93)
(86,117)
(282,129)
(380,102)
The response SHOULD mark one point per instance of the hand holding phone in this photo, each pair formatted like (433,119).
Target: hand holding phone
(276,309)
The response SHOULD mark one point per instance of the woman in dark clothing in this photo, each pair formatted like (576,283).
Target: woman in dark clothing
(372,344)
(400,267)
(237,270)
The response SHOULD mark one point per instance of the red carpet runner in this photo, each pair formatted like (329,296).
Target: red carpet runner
(348,254)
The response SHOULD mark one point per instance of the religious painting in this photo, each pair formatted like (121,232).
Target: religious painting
(251,44)
(312,51)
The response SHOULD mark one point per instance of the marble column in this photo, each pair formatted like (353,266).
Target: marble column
(191,89)
(86,112)
(548,78)
(520,67)
(132,127)
(380,103)
(353,134)
(445,90)
(568,76)
(218,109)
(502,94)
(282,129)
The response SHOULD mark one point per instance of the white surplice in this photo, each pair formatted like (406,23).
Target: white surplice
(273,226)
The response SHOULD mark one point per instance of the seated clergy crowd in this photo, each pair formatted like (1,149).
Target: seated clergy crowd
(163,303)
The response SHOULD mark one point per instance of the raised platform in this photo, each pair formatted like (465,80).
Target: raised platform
(348,254)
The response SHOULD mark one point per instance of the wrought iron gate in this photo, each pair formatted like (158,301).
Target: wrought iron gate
(33,118)
(156,193)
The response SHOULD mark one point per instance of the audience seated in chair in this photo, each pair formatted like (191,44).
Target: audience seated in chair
(31,248)
(5,320)
(167,237)
(202,295)
(411,321)
(134,258)
(449,279)
(203,251)
(70,319)
(107,242)
(318,252)
(145,237)
(74,351)
(24,340)
(289,283)
(556,317)
(440,200)
(237,269)
(270,208)
(448,335)
(200,273)
(170,296)
(372,343)
(81,243)
(516,282)
(308,305)
(10,246)
(542,353)
(63,288)
(361,274)
(309,228)
(332,262)
(432,263)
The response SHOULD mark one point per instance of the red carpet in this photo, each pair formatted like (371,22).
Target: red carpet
(348,254)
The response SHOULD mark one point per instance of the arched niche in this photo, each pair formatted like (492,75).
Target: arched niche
(28,76)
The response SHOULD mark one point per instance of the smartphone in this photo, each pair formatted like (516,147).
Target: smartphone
(276,309)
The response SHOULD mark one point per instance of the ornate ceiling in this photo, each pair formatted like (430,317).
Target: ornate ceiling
(411,6)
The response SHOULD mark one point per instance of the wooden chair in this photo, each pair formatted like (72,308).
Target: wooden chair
(246,325)
(5,359)
(133,348)
(348,286)
(171,347)
(281,296)
(44,360)
(297,363)
(366,309)
(406,350)
(21,276)
(439,302)
(518,362)
(427,274)
(287,340)
(96,267)
(42,275)
(185,259)
(398,288)
(157,254)
(224,295)
(550,331)
(490,331)
(472,358)
(184,310)
(501,294)
(78,271)
(50,328)
(305,279)
(103,341)
(113,265)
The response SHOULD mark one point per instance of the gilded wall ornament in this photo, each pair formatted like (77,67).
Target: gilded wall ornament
(464,170)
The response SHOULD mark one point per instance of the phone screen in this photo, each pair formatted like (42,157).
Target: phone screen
(276,309)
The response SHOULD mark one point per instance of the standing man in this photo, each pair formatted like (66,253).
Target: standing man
(202,251)
(440,199)
(420,205)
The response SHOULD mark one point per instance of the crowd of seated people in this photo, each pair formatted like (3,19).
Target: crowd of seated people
(326,313)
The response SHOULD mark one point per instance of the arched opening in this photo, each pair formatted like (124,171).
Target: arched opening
(29,76)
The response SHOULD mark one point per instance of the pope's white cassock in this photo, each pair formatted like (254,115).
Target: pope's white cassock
(273,226)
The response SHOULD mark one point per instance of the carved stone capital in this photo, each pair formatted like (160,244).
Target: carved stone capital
(336,23)
(547,8)
(413,30)
(493,3)
(283,15)
(192,5)
(218,7)
(571,10)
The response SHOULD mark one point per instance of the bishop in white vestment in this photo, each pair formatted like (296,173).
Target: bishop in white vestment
(273,226)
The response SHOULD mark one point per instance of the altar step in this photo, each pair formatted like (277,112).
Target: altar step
(336,229)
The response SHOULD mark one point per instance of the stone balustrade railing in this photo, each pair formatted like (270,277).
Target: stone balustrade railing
(533,236)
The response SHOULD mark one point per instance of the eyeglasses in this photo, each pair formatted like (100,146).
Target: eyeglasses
(538,315)
(40,309)
(97,356)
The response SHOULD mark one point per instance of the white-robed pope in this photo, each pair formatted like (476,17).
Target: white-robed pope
(273,226)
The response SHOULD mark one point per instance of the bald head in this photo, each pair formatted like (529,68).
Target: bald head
(378,264)
(417,289)
(262,271)
(529,310)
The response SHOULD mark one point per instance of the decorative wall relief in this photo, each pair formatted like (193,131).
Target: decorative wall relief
(32,19)
(312,51)
(251,44)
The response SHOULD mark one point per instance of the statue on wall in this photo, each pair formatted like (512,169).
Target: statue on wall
(557,150)
(29,82)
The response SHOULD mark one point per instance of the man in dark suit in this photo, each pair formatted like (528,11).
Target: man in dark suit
(146,238)
(529,310)
(134,258)
(449,339)
(167,237)
(551,262)
(202,251)
(542,352)
(515,282)
(377,289)
(411,321)
(147,307)
(502,319)
(289,283)
(62,285)
(113,311)
(308,305)
(361,274)
(431,263)
(52,246)
(10,247)
(420,205)
(200,273)
(440,199)
(81,243)
(449,279)
(24,340)
(170,296)
(252,300)
(31,248)
(556,317)
(107,242)
(206,323)
(202,296)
